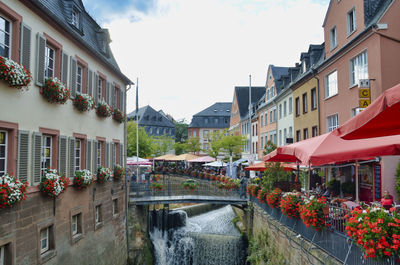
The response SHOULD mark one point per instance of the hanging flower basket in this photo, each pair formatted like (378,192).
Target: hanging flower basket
(103,109)
(312,212)
(290,204)
(54,91)
(118,115)
(12,190)
(83,102)
(189,184)
(274,197)
(51,184)
(14,74)
(118,172)
(262,195)
(82,179)
(103,174)
(376,231)
(156,186)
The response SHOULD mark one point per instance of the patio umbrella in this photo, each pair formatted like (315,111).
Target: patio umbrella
(202,159)
(381,118)
(164,157)
(274,156)
(183,157)
(137,161)
(215,164)
(261,167)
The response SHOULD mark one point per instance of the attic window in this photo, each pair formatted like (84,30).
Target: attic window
(227,110)
(215,110)
(75,18)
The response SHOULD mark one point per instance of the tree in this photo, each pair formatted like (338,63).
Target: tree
(145,142)
(180,148)
(162,144)
(181,131)
(233,144)
(193,145)
(215,141)
(269,147)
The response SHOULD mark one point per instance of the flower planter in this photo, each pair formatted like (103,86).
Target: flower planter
(51,184)
(103,109)
(12,191)
(312,212)
(82,179)
(54,91)
(103,174)
(83,102)
(118,172)
(14,74)
(273,198)
(290,205)
(118,115)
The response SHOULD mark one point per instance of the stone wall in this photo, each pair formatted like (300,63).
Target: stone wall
(101,243)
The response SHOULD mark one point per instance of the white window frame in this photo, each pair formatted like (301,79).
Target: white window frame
(5,152)
(329,90)
(329,125)
(356,111)
(79,72)
(44,158)
(49,57)
(351,21)
(284,109)
(99,88)
(9,45)
(358,68)
(74,224)
(78,154)
(98,216)
(46,237)
(333,37)
(290,105)
(98,154)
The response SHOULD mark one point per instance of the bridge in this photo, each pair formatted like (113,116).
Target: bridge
(169,189)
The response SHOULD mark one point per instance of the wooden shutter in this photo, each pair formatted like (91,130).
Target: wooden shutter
(94,160)
(73,77)
(89,155)
(108,92)
(71,157)
(23,153)
(95,87)
(40,53)
(121,155)
(36,156)
(121,100)
(107,154)
(25,51)
(64,67)
(113,153)
(62,155)
(90,82)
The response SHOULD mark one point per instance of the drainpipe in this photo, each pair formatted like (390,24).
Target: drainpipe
(314,72)
(126,180)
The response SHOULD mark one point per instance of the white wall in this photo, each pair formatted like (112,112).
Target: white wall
(286,121)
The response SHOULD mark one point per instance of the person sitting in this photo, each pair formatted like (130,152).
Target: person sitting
(318,188)
(387,200)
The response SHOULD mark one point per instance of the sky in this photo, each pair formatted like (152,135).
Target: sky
(189,54)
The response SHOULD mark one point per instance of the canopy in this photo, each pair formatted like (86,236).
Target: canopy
(240,161)
(183,157)
(329,148)
(164,157)
(215,164)
(261,167)
(137,161)
(381,118)
(202,159)
(275,157)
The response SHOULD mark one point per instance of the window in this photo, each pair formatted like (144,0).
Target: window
(354,112)
(78,154)
(44,240)
(314,131)
(157,130)
(79,78)
(332,122)
(274,115)
(266,118)
(75,18)
(297,106)
(280,137)
(333,39)
(262,120)
(205,133)
(298,136)
(205,146)
(284,109)
(290,132)
(271,116)
(49,58)
(313,99)
(46,152)
(98,215)
(5,40)
(305,105)
(115,207)
(290,106)
(351,21)
(99,148)
(358,68)
(280,111)
(262,142)
(76,224)
(305,133)
(3,153)
(284,136)
(331,86)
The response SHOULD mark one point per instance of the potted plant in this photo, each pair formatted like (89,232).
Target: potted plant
(348,188)
(14,74)
(118,115)
(51,184)
(118,172)
(54,91)
(83,102)
(103,109)
(290,204)
(82,179)
(273,198)
(312,212)
(12,190)
(103,174)
(156,186)
(155,178)
(262,194)
(189,184)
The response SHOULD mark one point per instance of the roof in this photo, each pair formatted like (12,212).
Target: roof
(217,115)
(217,109)
(90,34)
(277,73)
(150,117)
(242,97)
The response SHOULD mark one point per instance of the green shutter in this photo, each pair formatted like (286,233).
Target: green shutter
(107,154)
(23,155)
(89,155)
(64,67)
(62,155)
(94,160)
(36,157)
(108,92)
(90,82)
(73,77)
(71,157)
(25,51)
(40,54)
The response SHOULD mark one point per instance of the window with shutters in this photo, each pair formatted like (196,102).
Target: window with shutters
(78,154)
(3,152)
(46,152)
(101,152)
(10,22)
(79,72)
(101,88)
(5,40)
(116,152)
(49,62)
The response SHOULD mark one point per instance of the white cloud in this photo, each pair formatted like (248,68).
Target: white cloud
(189,54)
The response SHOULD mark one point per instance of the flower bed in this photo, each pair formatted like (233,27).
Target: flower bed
(83,102)
(118,172)
(290,204)
(156,186)
(103,109)
(82,179)
(14,74)
(274,197)
(12,190)
(103,174)
(262,194)
(118,115)
(312,212)
(54,91)
(376,231)
(51,184)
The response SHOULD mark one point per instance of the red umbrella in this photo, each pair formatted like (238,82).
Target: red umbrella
(274,156)
(261,167)
(381,118)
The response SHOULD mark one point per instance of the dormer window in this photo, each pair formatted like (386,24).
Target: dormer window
(75,18)
(333,40)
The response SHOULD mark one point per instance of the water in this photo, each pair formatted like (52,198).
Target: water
(206,239)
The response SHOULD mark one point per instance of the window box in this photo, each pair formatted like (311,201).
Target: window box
(14,74)
(83,102)
(54,91)
(103,109)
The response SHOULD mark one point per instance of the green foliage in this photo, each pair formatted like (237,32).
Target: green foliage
(274,172)
(398,180)
(269,147)
(261,251)
(180,148)
(215,141)
(349,187)
(145,141)
(181,131)
(162,144)
(192,145)
(303,178)
(232,144)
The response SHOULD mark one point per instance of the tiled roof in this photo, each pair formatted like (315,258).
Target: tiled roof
(242,96)
(216,116)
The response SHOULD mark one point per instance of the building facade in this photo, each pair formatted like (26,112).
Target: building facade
(59,39)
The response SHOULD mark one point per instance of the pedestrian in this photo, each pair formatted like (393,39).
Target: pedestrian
(243,184)
(387,200)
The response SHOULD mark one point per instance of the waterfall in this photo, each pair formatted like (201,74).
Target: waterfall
(206,239)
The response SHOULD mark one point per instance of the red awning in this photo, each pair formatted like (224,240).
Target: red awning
(381,118)
(261,167)
(274,156)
